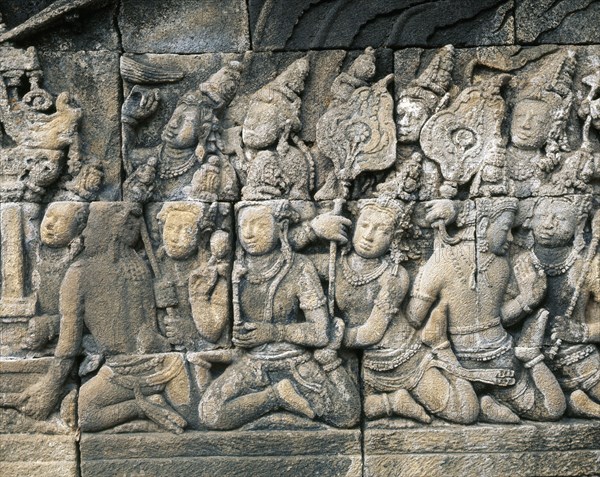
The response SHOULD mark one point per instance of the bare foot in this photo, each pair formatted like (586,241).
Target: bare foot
(581,405)
(493,411)
(157,410)
(291,401)
(404,405)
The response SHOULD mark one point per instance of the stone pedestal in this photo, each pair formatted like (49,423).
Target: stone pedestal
(24,455)
(566,448)
(325,453)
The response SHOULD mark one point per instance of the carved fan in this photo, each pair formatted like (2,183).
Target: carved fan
(461,138)
(359,135)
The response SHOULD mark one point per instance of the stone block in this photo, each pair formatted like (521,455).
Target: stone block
(184,26)
(205,454)
(36,454)
(568,448)
(566,22)
(305,25)
(92,78)
(48,27)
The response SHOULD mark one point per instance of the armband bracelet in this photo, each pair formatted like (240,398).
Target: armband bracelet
(538,359)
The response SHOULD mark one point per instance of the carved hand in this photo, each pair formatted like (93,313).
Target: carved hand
(141,103)
(249,335)
(330,227)
(443,209)
(532,284)
(179,331)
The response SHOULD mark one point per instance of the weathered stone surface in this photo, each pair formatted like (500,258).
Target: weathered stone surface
(85,25)
(305,25)
(184,26)
(568,448)
(566,22)
(98,97)
(252,453)
(50,456)
(331,259)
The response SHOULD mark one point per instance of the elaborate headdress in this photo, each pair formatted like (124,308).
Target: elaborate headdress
(432,85)
(222,86)
(401,213)
(492,208)
(552,85)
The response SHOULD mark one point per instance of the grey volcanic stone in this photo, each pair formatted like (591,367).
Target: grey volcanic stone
(87,30)
(306,24)
(93,79)
(184,26)
(565,21)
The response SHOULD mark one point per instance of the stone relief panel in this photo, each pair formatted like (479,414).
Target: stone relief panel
(350,249)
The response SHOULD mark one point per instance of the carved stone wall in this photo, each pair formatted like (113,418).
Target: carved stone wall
(267,237)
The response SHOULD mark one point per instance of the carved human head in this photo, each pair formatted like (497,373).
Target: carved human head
(495,218)
(191,122)
(180,228)
(273,111)
(110,224)
(43,166)
(424,96)
(62,223)
(262,226)
(557,221)
(542,105)
(379,222)
(220,246)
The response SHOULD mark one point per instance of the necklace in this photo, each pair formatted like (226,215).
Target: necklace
(167,171)
(261,277)
(554,269)
(356,279)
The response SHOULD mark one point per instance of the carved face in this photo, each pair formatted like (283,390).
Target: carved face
(411,116)
(188,126)
(373,233)
(263,126)
(258,230)
(529,124)
(498,233)
(59,225)
(554,223)
(180,234)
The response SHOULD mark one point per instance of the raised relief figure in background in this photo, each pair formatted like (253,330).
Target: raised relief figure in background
(415,176)
(276,161)
(189,162)
(280,319)
(108,292)
(473,308)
